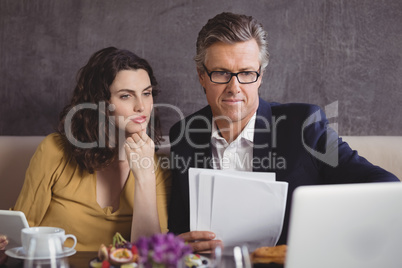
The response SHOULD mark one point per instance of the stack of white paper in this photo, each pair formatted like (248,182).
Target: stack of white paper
(239,207)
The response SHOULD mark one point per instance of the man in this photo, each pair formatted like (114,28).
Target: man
(240,131)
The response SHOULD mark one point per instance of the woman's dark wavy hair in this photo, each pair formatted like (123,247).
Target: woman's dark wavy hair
(93,88)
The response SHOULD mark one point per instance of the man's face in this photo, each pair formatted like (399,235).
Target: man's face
(234,101)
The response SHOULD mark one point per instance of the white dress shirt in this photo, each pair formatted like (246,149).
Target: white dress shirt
(238,155)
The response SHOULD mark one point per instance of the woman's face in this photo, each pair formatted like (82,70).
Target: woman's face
(131,95)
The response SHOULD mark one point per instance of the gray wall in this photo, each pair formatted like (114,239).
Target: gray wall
(321,52)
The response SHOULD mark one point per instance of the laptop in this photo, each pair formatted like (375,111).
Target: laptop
(346,225)
(11,224)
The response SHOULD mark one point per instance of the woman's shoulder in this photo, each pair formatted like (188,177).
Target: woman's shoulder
(49,156)
(53,144)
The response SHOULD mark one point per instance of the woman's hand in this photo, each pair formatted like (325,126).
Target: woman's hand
(201,241)
(140,150)
(3,244)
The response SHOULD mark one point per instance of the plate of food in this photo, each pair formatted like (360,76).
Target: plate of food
(269,255)
(97,263)
(196,261)
(159,249)
(120,254)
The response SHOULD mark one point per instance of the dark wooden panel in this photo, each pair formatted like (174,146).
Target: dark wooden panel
(321,52)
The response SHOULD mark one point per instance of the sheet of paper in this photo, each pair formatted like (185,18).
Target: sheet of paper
(205,200)
(193,187)
(194,178)
(248,212)
(240,207)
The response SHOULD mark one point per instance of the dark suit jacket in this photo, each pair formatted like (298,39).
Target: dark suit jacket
(292,140)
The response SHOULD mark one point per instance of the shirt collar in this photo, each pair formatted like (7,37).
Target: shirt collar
(247,133)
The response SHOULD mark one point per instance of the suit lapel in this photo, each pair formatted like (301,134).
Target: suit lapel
(203,153)
(262,138)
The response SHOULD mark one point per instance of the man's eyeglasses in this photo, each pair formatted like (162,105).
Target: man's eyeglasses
(223,77)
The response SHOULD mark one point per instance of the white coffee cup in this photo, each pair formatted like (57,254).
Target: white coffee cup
(45,241)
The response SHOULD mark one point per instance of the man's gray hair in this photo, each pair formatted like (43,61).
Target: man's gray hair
(231,28)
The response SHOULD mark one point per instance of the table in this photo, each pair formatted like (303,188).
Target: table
(82,258)
(79,260)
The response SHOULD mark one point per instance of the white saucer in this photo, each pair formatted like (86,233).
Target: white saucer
(19,253)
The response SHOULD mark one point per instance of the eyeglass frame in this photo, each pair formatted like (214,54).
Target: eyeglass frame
(231,75)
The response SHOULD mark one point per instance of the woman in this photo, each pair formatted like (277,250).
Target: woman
(97,175)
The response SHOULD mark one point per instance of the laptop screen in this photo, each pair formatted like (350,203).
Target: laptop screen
(346,225)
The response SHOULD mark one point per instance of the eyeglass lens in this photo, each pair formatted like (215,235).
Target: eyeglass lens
(242,77)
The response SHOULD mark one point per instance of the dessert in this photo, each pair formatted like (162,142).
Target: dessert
(275,254)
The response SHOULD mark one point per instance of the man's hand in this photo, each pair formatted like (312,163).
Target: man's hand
(201,241)
(3,242)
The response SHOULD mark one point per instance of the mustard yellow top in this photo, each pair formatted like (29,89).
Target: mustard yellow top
(56,192)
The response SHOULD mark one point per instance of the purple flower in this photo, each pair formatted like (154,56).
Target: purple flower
(142,246)
(162,250)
